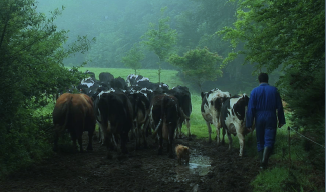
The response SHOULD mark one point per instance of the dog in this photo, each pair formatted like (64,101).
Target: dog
(182,152)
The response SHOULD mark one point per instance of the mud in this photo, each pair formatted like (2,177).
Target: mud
(210,169)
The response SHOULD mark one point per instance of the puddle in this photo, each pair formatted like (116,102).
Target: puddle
(198,165)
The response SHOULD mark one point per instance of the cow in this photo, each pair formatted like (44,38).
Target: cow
(90,74)
(118,83)
(140,104)
(164,116)
(184,100)
(233,118)
(133,79)
(115,116)
(74,112)
(105,77)
(212,102)
(89,82)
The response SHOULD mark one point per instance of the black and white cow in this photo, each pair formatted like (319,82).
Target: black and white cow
(118,83)
(115,116)
(212,102)
(91,75)
(184,100)
(164,117)
(133,79)
(105,77)
(140,104)
(233,118)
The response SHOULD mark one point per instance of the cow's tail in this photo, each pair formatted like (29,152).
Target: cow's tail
(164,100)
(156,128)
(183,114)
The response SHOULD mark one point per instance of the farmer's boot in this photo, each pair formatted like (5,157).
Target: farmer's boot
(267,152)
(260,156)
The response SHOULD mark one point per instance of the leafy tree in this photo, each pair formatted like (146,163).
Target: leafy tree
(290,36)
(160,40)
(199,65)
(133,58)
(31,64)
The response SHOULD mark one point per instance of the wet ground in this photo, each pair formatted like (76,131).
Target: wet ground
(210,169)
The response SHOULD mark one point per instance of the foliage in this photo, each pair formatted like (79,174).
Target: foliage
(160,40)
(31,66)
(199,65)
(133,58)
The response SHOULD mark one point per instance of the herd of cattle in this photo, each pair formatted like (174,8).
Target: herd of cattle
(136,108)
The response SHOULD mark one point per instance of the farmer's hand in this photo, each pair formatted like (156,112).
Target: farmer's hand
(280,125)
(249,129)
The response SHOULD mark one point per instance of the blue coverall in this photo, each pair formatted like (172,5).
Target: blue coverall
(263,102)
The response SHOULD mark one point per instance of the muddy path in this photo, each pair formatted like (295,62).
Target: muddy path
(210,169)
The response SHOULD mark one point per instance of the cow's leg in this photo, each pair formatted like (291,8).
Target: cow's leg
(209,132)
(123,140)
(217,132)
(223,132)
(102,133)
(143,134)
(241,141)
(188,127)
(230,140)
(160,144)
(90,140)
(56,139)
(179,131)
(73,138)
(114,141)
(170,142)
(80,142)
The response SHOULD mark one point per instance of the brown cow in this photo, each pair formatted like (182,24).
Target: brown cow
(75,113)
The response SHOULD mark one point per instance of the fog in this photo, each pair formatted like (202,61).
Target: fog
(118,25)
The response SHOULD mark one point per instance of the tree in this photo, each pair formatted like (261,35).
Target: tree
(199,65)
(31,64)
(160,40)
(133,58)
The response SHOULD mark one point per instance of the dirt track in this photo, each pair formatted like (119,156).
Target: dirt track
(210,169)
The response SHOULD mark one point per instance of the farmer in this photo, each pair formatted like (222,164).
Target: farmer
(264,100)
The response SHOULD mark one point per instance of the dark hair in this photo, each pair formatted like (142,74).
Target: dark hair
(263,77)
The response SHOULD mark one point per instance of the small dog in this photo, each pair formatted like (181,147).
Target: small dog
(182,152)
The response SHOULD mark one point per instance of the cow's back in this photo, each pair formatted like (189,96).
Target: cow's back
(74,109)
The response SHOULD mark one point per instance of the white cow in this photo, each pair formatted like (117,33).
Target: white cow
(212,102)
(233,118)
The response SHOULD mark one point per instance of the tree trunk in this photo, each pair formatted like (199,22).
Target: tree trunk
(159,72)
(200,86)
